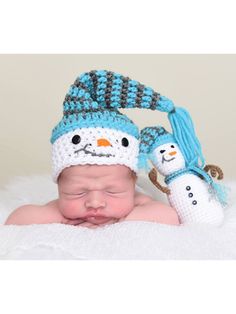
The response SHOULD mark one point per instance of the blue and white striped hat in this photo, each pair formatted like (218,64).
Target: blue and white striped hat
(93,131)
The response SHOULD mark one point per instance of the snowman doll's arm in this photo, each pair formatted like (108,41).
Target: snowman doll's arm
(153,177)
(214,171)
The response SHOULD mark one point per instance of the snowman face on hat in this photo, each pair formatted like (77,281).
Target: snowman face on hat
(101,146)
(168,158)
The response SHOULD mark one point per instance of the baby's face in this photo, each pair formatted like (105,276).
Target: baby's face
(96,193)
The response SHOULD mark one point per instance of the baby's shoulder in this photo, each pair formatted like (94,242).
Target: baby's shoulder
(34,214)
(141,199)
(148,209)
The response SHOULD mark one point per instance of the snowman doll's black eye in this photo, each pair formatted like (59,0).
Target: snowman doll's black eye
(124,142)
(162,151)
(76,139)
(172,146)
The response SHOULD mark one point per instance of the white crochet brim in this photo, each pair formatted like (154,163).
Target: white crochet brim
(87,151)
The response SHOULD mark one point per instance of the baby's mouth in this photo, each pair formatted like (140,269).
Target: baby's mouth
(96,219)
(84,149)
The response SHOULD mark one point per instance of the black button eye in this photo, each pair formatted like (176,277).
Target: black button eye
(76,139)
(162,151)
(125,142)
(172,146)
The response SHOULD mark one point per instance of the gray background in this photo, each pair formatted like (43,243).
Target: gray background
(32,90)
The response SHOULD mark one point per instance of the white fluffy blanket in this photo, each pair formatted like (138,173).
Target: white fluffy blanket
(127,240)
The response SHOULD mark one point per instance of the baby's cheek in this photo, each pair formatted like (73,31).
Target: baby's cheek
(121,207)
(70,208)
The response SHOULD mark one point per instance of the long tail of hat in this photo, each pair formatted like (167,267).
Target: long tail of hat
(106,89)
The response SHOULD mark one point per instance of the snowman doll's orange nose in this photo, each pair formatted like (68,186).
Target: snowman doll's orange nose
(103,142)
(172,153)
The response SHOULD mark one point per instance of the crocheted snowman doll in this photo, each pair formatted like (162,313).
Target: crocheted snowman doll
(190,189)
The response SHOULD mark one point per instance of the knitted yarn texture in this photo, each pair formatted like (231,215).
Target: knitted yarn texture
(191,190)
(93,131)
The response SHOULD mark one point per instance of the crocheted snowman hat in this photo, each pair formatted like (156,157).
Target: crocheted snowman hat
(93,131)
(152,137)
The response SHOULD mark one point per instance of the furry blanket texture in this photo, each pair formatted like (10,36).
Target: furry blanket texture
(126,240)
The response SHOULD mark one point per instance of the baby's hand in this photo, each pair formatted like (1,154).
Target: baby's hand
(73,222)
(90,225)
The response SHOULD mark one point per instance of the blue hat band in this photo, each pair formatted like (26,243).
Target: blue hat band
(107,119)
(161,140)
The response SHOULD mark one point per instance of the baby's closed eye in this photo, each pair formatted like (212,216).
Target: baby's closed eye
(115,192)
(74,194)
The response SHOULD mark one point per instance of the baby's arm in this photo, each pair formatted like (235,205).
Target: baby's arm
(25,215)
(33,214)
(147,209)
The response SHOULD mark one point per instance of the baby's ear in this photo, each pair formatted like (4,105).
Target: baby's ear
(134,176)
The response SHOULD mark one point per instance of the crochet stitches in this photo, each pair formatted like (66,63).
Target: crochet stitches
(94,131)
(191,191)
(94,100)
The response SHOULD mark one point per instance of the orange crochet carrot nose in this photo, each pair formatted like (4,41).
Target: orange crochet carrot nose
(103,142)
(172,153)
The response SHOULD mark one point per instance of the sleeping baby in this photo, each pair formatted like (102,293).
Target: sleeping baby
(96,195)
(95,157)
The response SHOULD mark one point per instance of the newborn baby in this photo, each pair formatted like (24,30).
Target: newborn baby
(95,195)
(95,157)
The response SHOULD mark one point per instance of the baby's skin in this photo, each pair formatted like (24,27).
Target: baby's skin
(93,196)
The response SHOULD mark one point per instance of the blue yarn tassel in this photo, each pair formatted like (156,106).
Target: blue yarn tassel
(221,193)
(184,133)
(143,162)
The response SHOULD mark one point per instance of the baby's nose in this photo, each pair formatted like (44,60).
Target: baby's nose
(95,201)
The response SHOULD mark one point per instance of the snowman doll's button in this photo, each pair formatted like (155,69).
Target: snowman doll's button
(190,194)
(194,202)
(188,188)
